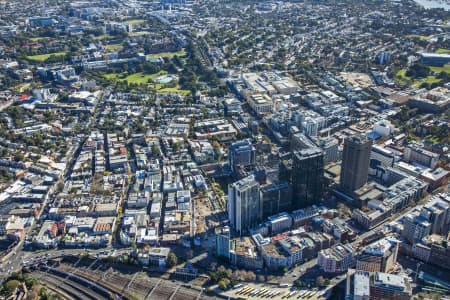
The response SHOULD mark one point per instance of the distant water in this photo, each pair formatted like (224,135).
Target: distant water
(434,3)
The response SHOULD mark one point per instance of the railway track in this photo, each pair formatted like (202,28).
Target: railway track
(70,292)
(138,287)
(74,289)
(58,290)
(112,283)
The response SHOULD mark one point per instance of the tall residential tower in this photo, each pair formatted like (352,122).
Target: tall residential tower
(245,207)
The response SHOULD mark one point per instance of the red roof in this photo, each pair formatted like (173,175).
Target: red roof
(279,237)
(123,150)
(24,97)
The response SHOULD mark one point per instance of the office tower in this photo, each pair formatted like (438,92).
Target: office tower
(241,153)
(355,162)
(244,204)
(223,242)
(276,197)
(307,177)
(380,256)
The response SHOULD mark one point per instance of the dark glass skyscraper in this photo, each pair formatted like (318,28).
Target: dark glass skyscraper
(307,177)
(241,153)
(355,162)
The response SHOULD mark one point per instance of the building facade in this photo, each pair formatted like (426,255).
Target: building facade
(307,177)
(245,207)
(355,162)
(386,286)
(336,259)
(241,153)
(276,198)
(380,256)
(223,242)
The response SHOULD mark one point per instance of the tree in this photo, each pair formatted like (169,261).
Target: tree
(223,284)
(418,70)
(60,186)
(18,156)
(156,150)
(172,260)
(299,283)
(320,281)
(11,286)
(176,146)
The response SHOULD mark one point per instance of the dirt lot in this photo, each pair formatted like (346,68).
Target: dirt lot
(357,79)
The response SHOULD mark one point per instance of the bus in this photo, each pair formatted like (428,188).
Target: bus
(263,293)
(306,295)
(301,294)
(248,291)
(312,294)
(245,290)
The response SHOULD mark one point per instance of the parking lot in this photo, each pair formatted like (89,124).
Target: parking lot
(253,291)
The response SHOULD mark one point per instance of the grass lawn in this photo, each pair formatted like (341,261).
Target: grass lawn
(141,78)
(445,69)
(174,90)
(433,139)
(39,38)
(428,79)
(443,51)
(401,77)
(167,54)
(21,87)
(135,21)
(134,78)
(114,47)
(420,37)
(139,33)
(44,57)
(102,37)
